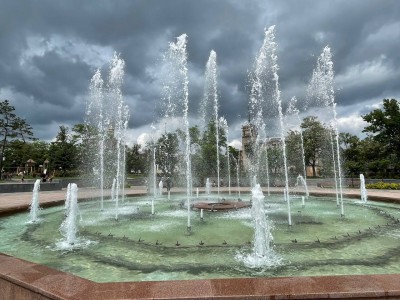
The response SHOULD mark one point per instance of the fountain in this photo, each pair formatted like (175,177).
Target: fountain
(263,254)
(160,187)
(304,183)
(106,125)
(208,186)
(321,90)
(69,227)
(144,247)
(363,190)
(34,208)
(211,96)
(177,96)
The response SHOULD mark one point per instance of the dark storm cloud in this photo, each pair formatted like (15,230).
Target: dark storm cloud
(50,49)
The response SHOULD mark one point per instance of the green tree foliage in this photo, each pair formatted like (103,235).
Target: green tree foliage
(137,159)
(384,128)
(63,152)
(316,139)
(352,148)
(167,156)
(12,128)
(206,164)
(294,152)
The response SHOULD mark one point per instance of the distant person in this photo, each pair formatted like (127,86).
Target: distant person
(169,183)
(22,174)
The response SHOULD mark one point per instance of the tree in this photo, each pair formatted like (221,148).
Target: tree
(6,128)
(351,154)
(11,127)
(23,130)
(63,151)
(205,161)
(384,128)
(167,157)
(136,159)
(294,152)
(315,137)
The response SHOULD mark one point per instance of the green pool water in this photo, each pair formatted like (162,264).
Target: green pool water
(142,247)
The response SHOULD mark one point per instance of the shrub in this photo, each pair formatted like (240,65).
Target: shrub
(383,186)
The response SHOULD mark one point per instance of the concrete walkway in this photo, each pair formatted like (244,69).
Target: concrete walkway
(13,202)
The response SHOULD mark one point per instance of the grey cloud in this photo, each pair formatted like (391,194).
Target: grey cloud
(357,31)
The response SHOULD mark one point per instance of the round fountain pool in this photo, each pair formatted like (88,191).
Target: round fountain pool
(143,247)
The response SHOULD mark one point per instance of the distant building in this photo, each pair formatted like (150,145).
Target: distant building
(249,137)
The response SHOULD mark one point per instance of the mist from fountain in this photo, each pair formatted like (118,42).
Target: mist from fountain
(211,97)
(34,207)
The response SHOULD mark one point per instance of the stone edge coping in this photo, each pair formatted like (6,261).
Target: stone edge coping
(54,284)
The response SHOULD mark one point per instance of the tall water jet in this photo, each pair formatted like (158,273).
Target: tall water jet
(267,167)
(95,118)
(224,126)
(363,190)
(321,88)
(257,101)
(211,96)
(304,183)
(125,119)
(237,175)
(208,186)
(106,123)
(67,199)
(69,228)
(160,187)
(115,81)
(113,189)
(34,207)
(176,96)
(263,254)
(267,81)
(334,168)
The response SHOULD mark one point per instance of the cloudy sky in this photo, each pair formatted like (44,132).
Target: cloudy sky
(49,50)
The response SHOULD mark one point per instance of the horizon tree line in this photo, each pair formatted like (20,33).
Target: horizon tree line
(376,156)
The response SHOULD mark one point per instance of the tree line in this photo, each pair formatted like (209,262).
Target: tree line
(376,156)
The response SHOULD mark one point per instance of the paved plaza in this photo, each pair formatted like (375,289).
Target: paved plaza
(11,202)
